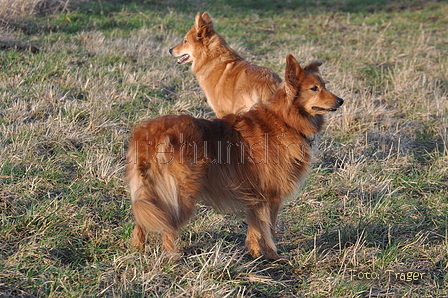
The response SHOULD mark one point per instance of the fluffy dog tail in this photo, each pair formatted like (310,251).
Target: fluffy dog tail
(159,203)
(148,201)
(154,195)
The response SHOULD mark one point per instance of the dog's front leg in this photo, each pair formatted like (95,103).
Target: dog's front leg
(253,238)
(259,235)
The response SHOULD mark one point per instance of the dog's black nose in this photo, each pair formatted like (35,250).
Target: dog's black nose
(340,101)
(171,51)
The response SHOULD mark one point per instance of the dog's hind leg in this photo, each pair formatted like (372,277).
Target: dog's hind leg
(138,237)
(169,239)
(151,217)
(178,204)
(148,217)
(162,215)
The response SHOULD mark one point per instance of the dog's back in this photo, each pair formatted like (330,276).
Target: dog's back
(252,84)
(231,84)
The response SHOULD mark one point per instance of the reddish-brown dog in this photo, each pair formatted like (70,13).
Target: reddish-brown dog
(231,84)
(250,161)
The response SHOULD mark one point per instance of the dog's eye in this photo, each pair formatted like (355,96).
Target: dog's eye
(314,88)
(185,41)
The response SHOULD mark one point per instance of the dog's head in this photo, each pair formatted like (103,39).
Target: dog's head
(305,90)
(190,48)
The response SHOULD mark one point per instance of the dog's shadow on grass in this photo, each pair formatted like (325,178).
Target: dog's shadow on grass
(225,251)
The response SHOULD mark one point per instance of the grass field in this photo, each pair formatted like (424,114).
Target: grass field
(370,221)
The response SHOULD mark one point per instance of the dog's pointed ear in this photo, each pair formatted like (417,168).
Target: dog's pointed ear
(207,19)
(198,21)
(293,75)
(202,25)
(313,66)
(293,71)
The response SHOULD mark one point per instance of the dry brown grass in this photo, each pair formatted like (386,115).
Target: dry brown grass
(376,199)
(11,9)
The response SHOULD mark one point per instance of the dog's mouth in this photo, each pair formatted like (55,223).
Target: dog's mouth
(339,102)
(183,58)
(324,110)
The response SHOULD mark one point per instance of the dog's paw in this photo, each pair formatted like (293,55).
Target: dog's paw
(255,253)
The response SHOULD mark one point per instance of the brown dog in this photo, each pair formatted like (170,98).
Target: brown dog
(245,162)
(231,84)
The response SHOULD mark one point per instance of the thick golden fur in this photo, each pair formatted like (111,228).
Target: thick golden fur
(249,162)
(231,84)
